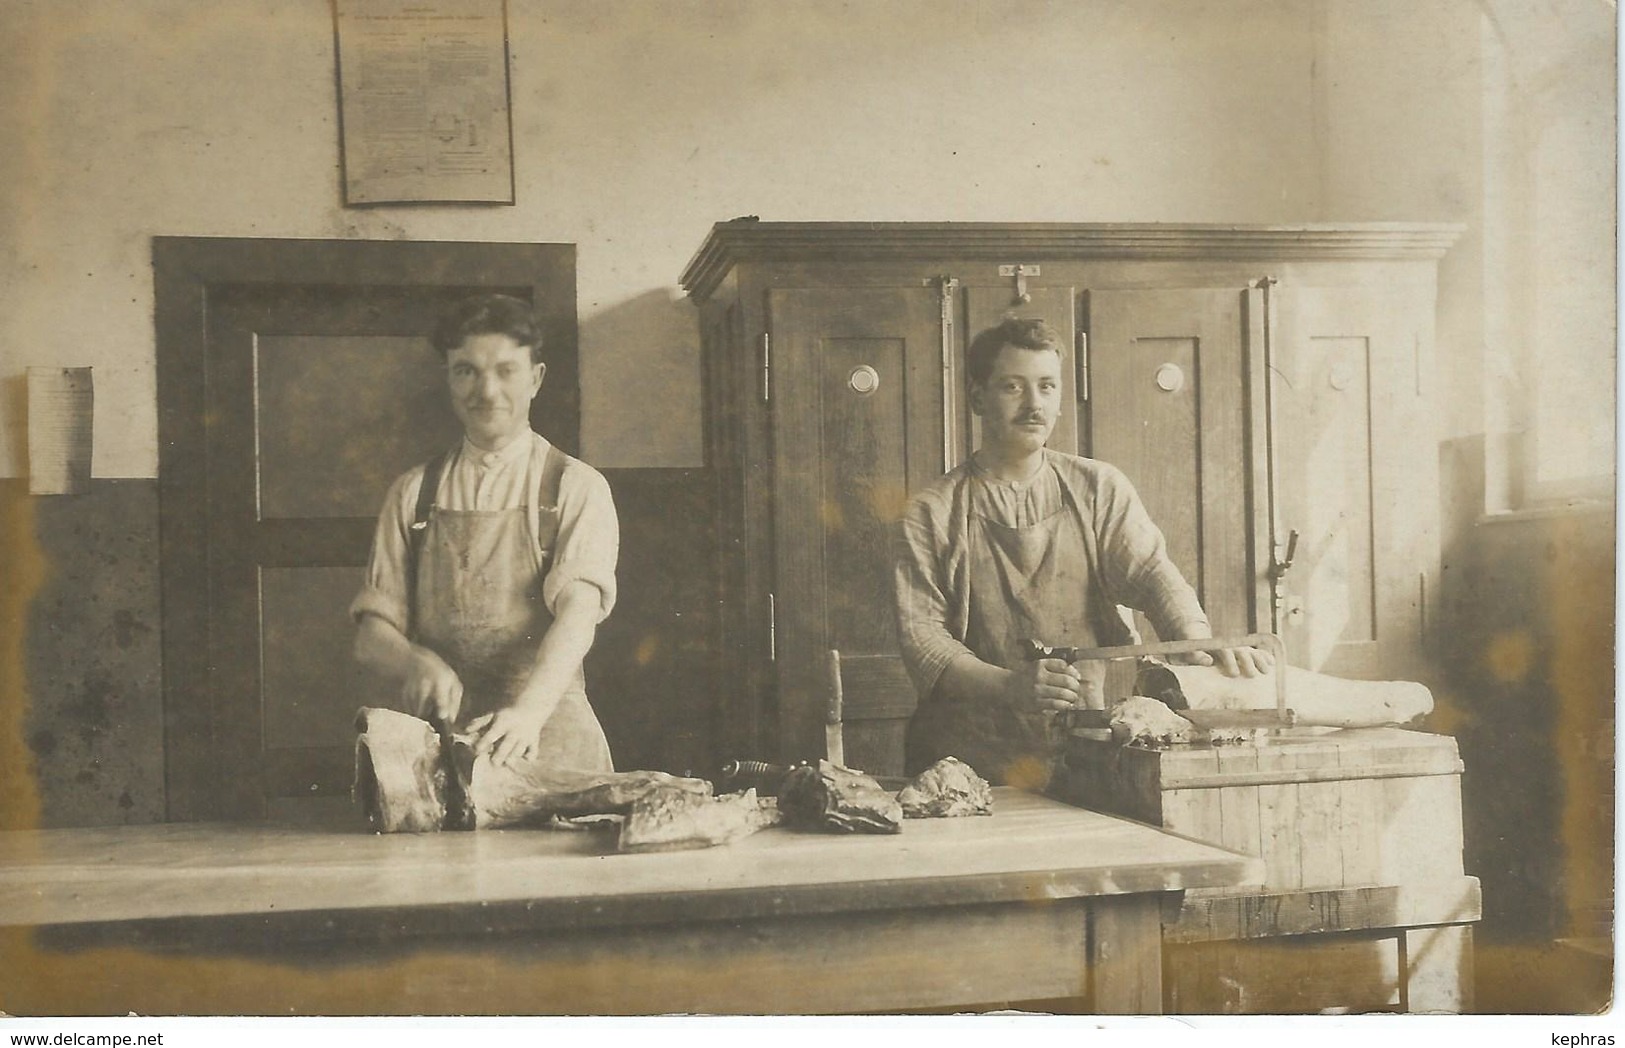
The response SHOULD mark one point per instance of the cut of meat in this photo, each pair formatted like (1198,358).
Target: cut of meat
(411,779)
(400,782)
(1148,722)
(1314,698)
(504,795)
(667,820)
(830,797)
(948,788)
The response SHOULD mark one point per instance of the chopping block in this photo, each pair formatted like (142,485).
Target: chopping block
(1365,905)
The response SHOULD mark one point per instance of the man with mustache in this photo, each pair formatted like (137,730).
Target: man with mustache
(1022,542)
(493,564)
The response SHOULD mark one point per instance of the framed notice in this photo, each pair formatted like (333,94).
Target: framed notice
(423,101)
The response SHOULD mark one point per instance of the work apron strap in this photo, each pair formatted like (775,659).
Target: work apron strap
(419,531)
(546,495)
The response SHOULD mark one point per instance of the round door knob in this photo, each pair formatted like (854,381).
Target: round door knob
(863,379)
(1342,374)
(1170,378)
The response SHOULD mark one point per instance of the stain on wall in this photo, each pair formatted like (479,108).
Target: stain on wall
(94,719)
(1526,666)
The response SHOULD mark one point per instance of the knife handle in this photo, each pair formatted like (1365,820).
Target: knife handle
(761,776)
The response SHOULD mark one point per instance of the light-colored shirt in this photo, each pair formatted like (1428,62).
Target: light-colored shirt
(586,549)
(935,544)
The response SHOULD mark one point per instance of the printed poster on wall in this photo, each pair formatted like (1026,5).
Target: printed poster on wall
(423,101)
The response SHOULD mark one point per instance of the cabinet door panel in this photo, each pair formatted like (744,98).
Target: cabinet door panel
(857,425)
(1357,476)
(1168,406)
(987,306)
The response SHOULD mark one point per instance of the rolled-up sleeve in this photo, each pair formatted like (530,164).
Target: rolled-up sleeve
(1135,566)
(384,592)
(921,591)
(589,538)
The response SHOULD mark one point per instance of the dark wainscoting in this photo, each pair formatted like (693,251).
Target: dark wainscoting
(92,715)
(652,673)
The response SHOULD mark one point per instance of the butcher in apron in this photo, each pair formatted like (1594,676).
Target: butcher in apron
(1021,543)
(494,563)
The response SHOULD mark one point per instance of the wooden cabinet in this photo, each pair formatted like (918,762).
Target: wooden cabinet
(1252,381)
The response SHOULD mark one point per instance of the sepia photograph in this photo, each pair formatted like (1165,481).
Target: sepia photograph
(1002,510)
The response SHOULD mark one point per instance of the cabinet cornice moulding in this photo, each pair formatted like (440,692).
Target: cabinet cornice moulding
(733,242)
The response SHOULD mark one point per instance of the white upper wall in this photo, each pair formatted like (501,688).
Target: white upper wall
(637,125)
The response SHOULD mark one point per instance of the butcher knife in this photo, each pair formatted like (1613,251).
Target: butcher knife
(1157,682)
(457,762)
(834,745)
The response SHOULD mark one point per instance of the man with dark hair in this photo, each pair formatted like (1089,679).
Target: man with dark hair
(494,563)
(1020,543)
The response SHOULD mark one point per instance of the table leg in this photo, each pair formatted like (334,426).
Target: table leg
(1125,954)
(1439,966)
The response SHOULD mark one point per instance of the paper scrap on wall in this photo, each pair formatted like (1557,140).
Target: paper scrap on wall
(60,402)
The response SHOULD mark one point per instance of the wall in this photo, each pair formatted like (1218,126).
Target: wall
(1500,115)
(637,125)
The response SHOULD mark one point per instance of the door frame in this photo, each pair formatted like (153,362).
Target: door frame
(187,273)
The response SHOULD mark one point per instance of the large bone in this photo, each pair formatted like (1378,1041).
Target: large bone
(1314,698)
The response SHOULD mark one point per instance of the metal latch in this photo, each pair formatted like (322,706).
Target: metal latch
(1020,271)
(1281,565)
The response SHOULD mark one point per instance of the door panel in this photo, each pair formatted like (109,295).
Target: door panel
(295,383)
(1357,477)
(988,306)
(857,422)
(862,487)
(347,429)
(1168,406)
(1324,393)
(311,687)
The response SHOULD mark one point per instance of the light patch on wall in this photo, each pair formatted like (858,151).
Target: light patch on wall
(1510,656)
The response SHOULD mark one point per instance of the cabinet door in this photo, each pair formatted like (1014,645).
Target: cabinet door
(1357,475)
(856,400)
(987,306)
(1168,406)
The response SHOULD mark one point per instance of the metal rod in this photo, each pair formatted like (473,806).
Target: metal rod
(1277,590)
(945,290)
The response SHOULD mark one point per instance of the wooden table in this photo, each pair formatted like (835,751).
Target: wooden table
(1040,901)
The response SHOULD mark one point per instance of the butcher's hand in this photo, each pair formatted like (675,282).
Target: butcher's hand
(1236,662)
(432,689)
(509,735)
(1047,684)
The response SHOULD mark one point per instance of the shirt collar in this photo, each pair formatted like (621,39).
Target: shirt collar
(517,450)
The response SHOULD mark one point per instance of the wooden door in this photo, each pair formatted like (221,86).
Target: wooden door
(1357,475)
(857,410)
(987,306)
(1168,405)
(312,387)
